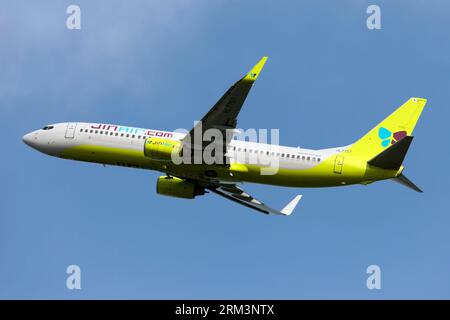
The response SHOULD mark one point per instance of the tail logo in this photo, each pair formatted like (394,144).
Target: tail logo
(389,138)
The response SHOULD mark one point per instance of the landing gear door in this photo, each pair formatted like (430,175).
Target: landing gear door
(70,131)
(338,164)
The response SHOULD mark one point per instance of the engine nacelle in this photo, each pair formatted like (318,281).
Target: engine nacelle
(179,188)
(161,149)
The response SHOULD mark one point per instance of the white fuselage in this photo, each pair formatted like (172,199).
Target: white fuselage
(124,146)
(62,136)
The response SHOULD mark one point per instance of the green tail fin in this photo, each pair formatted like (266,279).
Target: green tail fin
(395,127)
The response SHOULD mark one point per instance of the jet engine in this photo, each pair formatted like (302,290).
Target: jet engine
(179,188)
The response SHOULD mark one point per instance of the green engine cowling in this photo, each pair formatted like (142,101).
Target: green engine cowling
(179,188)
(162,149)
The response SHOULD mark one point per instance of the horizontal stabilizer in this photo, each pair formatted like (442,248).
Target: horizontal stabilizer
(392,158)
(407,183)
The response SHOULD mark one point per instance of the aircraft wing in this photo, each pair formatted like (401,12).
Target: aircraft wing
(223,115)
(236,194)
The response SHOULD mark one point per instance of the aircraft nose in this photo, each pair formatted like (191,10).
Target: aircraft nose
(30,139)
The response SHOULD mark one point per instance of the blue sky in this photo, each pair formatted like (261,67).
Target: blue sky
(163,64)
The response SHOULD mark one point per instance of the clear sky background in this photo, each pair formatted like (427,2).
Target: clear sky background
(163,64)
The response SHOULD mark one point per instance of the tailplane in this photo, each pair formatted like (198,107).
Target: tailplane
(392,157)
(406,182)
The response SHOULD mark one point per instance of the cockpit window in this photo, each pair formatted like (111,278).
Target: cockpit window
(47,128)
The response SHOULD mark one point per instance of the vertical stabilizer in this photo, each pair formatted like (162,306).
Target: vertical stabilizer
(395,127)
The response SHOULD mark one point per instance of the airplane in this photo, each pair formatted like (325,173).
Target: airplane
(378,155)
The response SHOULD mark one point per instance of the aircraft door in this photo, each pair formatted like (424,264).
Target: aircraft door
(338,164)
(70,131)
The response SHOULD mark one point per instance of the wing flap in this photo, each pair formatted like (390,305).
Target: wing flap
(236,194)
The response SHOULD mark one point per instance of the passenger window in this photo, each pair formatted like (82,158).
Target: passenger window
(96,131)
(308,158)
(121,134)
(303,157)
(128,135)
(282,155)
(133,136)
(139,137)
(91,131)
